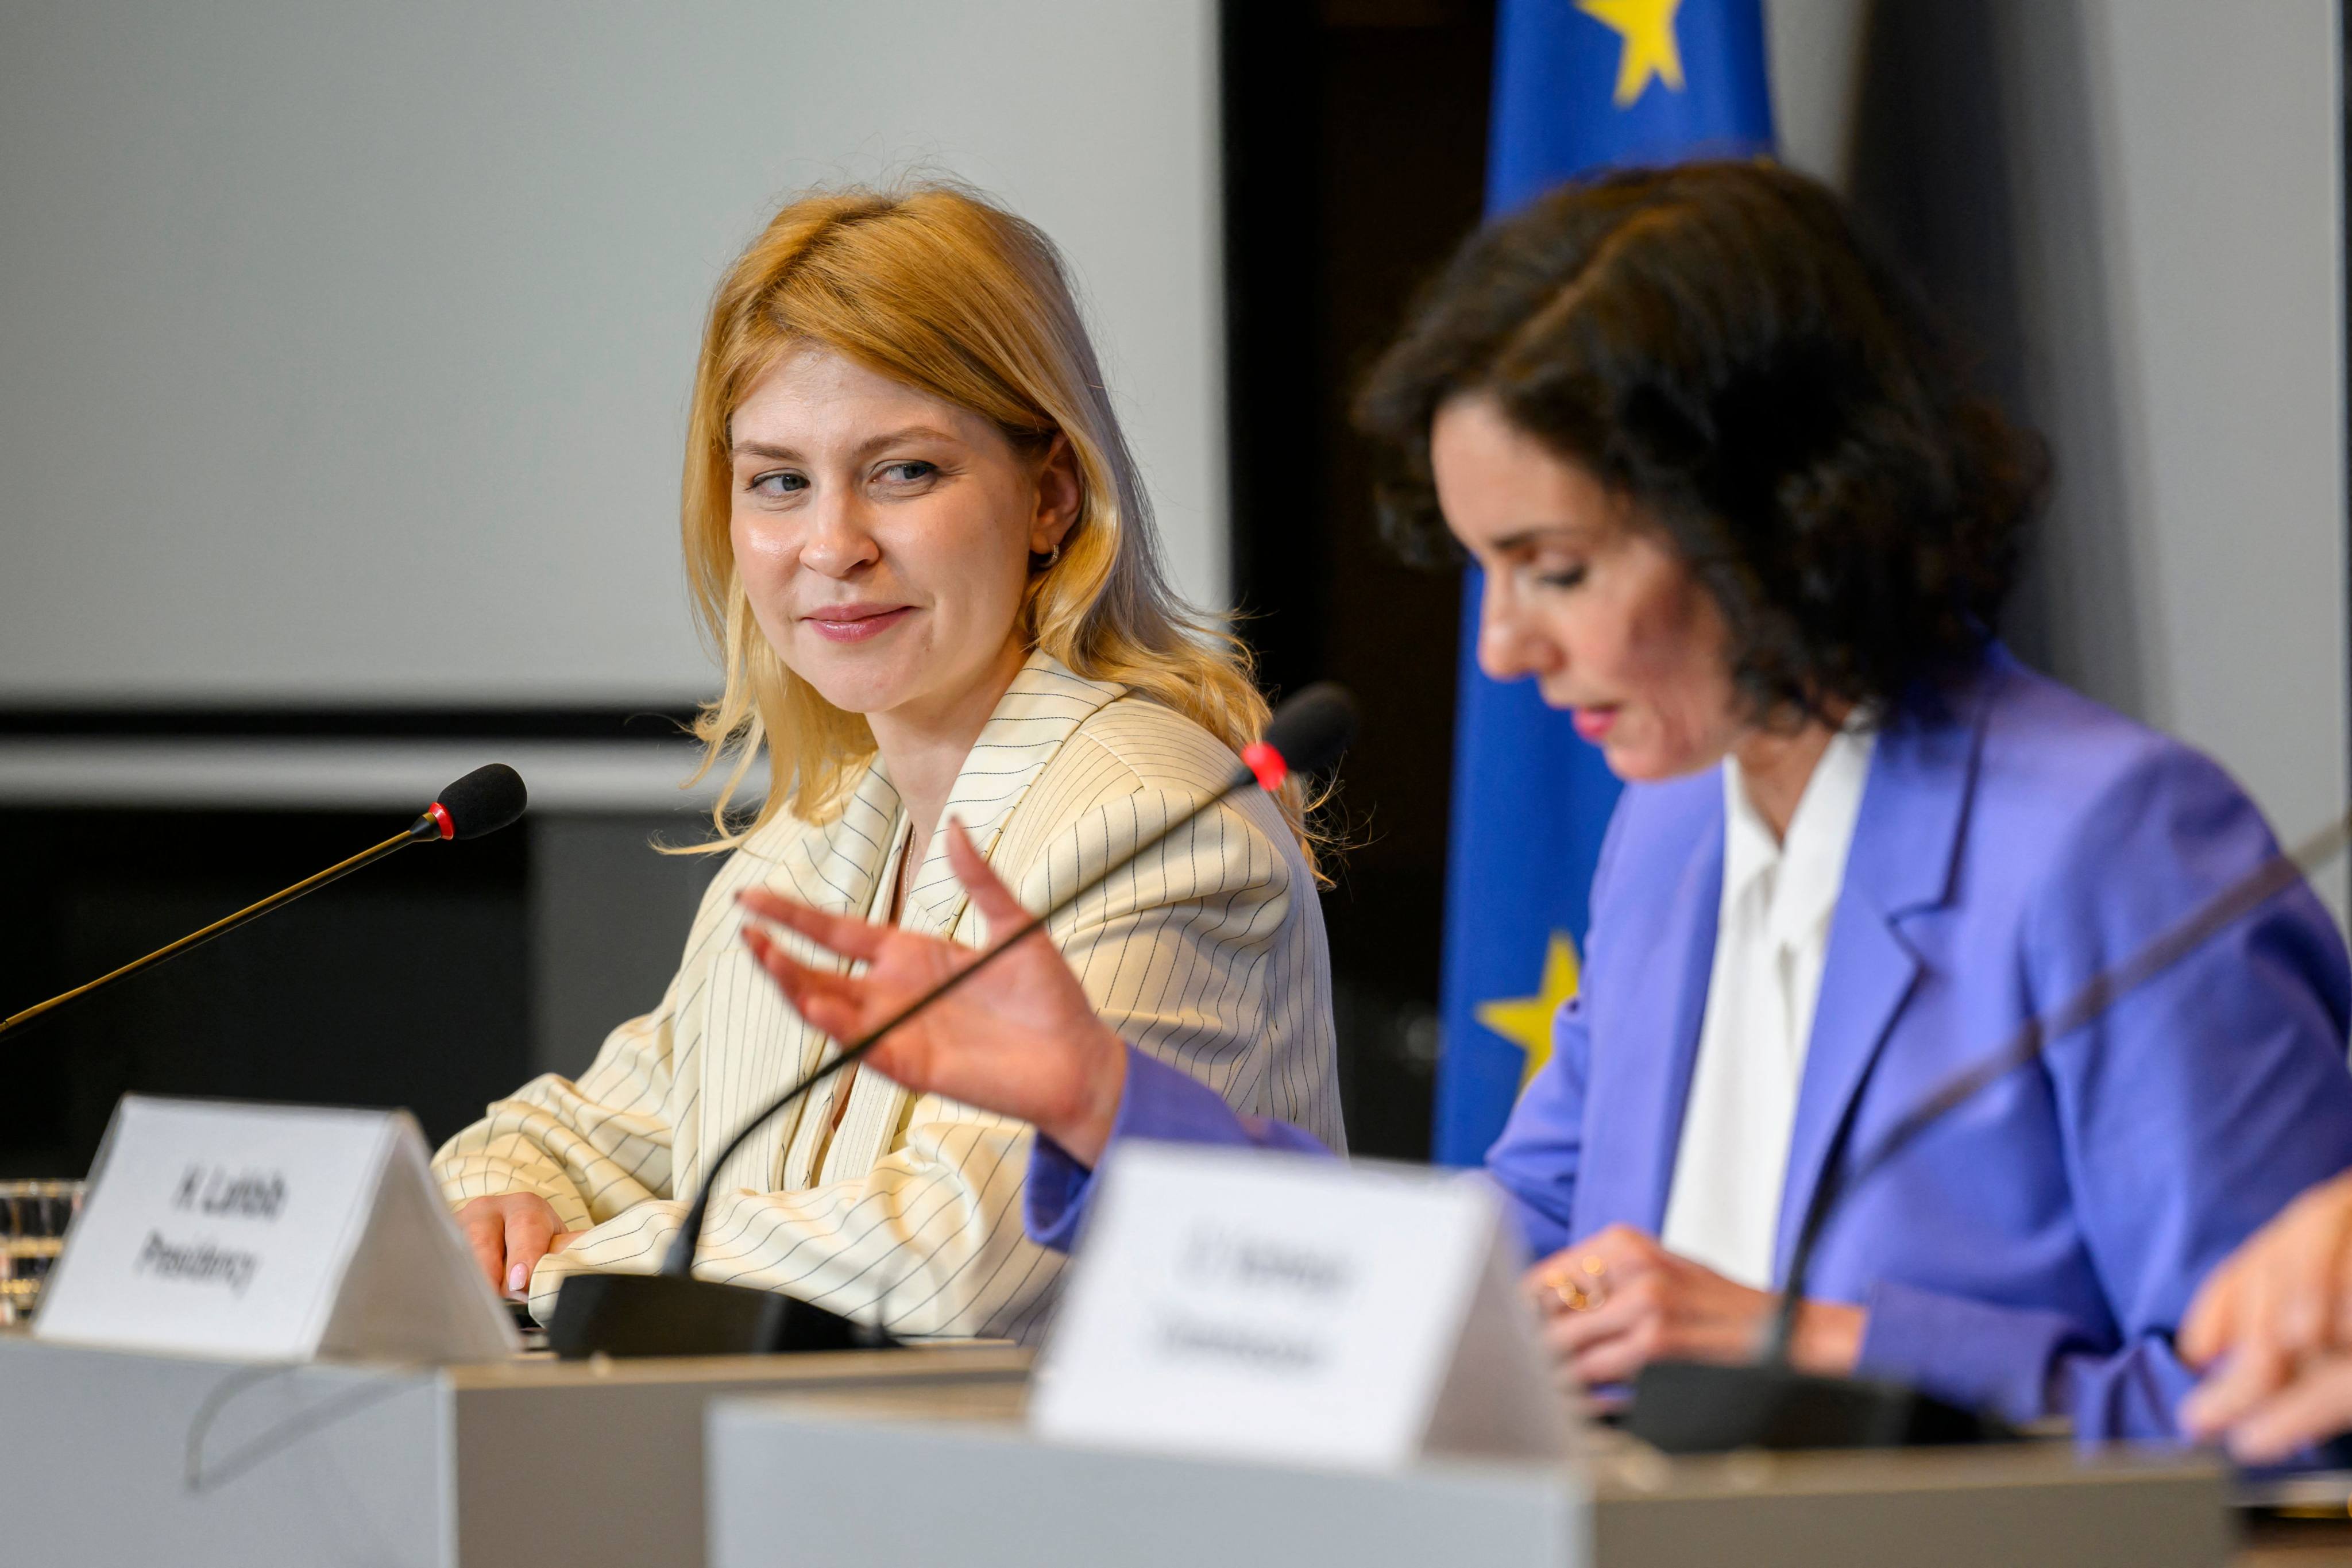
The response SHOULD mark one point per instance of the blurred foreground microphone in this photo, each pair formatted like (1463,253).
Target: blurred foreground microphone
(484,801)
(1695,1408)
(673,1313)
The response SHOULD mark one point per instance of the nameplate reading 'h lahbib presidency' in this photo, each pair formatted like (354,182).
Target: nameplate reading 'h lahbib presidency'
(270,1233)
(1269,1306)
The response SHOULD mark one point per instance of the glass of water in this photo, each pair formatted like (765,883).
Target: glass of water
(34,1216)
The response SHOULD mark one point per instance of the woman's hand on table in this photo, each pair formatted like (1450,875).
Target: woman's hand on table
(2266,1415)
(510,1234)
(1617,1300)
(1019,1038)
(2273,1328)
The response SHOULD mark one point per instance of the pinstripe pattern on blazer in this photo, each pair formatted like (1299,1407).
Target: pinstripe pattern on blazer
(1208,954)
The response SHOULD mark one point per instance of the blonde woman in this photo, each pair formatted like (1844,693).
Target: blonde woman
(915,528)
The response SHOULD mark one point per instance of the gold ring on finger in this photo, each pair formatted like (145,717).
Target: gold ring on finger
(1582,1294)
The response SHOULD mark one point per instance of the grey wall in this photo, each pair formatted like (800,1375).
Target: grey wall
(2135,208)
(344,351)
(607,920)
(346,345)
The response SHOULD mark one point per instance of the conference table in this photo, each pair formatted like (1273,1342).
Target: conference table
(955,1463)
(119,1458)
(890,1457)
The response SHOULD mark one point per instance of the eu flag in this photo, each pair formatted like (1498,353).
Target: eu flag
(1579,85)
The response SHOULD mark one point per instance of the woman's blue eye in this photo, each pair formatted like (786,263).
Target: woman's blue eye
(910,472)
(777,484)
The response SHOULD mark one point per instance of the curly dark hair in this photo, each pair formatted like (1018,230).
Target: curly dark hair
(1718,341)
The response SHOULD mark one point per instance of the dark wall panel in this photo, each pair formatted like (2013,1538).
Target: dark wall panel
(1355,137)
(405,984)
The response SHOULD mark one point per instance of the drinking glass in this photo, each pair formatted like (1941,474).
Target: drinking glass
(34,1216)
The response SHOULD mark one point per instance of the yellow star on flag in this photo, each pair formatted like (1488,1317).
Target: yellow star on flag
(1526,1021)
(1648,28)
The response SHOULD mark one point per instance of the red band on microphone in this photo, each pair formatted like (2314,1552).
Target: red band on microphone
(1266,763)
(441,819)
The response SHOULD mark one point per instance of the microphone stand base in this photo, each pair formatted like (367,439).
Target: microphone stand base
(660,1314)
(1700,1407)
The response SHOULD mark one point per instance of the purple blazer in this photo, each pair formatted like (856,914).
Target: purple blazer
(2032,1253)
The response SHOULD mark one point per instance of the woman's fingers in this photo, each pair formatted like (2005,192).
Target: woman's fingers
(845,1006)
(2316,1403)
(1620,1358)
(2281,1286)
(2270,1323)
(989,893)
(2339,1313)
(1618,1300)
(2254,1372)
(505,1232)
(486,1234)
(1624,1250)
(1572,1331)
(2289,1285)
(834,1004)
(2292,1302)
(842,1006)
(1624,1320)
(796,978)
(1609,1343)
(528,1229)
(2313,1309)
(2213,1317)
(843,934)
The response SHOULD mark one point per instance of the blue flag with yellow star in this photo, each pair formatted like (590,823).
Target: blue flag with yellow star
(1579,85)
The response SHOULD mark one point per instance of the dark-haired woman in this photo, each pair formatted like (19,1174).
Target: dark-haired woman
(1735,511)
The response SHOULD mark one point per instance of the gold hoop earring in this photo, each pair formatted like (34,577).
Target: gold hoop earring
(1047,564)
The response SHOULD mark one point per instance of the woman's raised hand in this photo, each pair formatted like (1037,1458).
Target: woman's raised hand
(1020,1037)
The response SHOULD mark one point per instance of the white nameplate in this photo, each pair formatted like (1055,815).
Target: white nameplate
(1240,1303)
(270,1233)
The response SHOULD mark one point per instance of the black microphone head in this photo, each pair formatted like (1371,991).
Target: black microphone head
(484,801)
(1310,729)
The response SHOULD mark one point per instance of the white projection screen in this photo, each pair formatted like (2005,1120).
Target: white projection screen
(344,347)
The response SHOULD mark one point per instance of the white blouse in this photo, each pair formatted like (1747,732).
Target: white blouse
(1772,936)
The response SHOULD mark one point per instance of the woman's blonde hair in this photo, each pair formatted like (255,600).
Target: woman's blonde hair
(935,288)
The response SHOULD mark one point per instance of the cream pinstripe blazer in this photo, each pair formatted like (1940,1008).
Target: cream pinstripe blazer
(1208,953)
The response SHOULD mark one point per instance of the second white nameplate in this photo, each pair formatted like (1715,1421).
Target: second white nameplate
(1233,1303)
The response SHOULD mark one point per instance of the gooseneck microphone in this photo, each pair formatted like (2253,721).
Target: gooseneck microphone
(672,1313)
(482,801)
(1693,1406)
